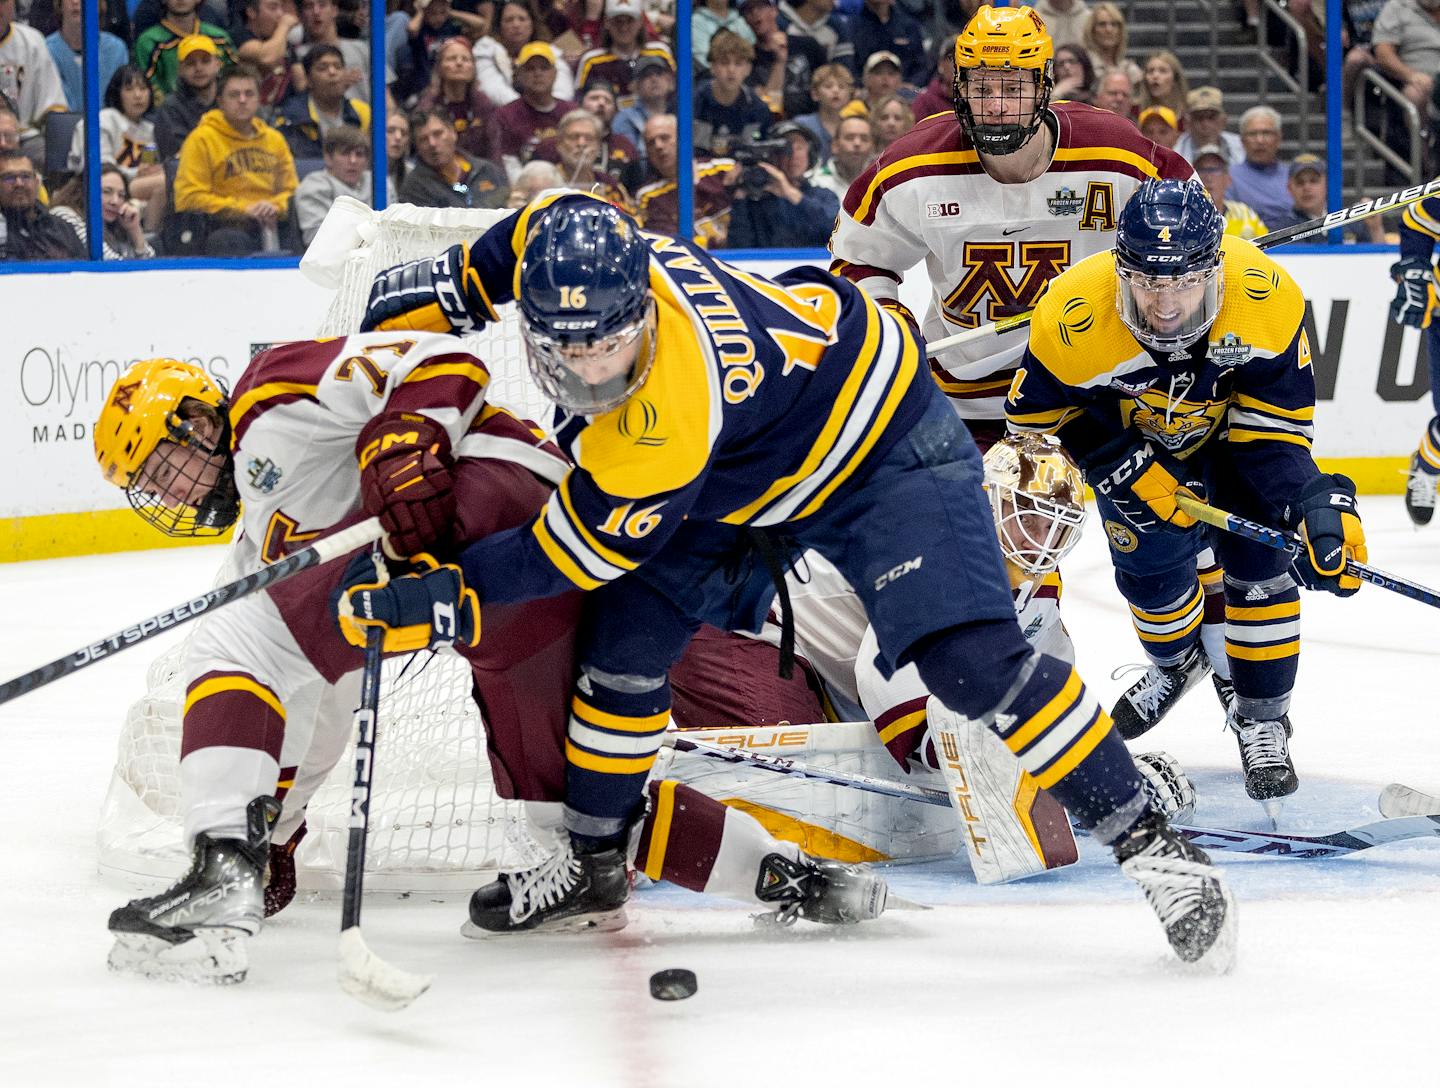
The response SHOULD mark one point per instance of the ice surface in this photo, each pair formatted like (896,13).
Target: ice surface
(1060,980)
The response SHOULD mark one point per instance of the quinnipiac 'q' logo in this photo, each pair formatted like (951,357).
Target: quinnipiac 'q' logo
(638,420)
(1065,202)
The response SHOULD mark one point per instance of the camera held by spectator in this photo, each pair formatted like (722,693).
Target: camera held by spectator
(752,158)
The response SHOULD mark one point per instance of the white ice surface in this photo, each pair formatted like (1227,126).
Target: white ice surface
(1064,980)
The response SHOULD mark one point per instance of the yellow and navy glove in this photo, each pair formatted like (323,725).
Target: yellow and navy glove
(1142,483)
(405,480)
(429,295)
(425,609)
(1330,529)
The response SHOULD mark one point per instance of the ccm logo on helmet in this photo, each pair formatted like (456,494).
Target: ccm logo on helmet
(573,325)
(898,572)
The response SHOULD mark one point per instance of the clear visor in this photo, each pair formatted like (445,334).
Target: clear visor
(1168,312)
(1035,533)
(589,379)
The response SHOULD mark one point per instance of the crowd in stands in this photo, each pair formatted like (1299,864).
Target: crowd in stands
(228,127)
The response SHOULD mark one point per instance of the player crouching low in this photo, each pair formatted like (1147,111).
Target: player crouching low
(1178,366)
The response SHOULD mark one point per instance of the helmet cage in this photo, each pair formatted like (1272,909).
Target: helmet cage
(551,362)
(1003,139)
(1035,532)
(1191,326)
(162,472)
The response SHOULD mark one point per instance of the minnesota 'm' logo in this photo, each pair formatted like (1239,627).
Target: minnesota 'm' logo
(638,421)
(124,394)
(988,292)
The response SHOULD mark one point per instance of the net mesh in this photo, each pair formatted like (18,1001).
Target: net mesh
(435,820)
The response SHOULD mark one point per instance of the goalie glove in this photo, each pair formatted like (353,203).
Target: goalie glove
(1330,529)
(1411,305)
(1142,483)
(423,610)
(429,295)
(405,481)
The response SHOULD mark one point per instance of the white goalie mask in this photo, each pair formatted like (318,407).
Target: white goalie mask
(1037,496)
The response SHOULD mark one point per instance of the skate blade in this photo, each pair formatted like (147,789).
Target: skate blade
(600,922)
(899,902)
(215,957)
(1273,807)
(1219,958)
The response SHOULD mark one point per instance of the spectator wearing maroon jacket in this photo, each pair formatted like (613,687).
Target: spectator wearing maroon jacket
(443,178)
(617,154)
(938,94)
(454,89)
(657,203)
(518,128)
(579,140)
(622,45)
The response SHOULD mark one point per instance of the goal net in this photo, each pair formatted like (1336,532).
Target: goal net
(435,820)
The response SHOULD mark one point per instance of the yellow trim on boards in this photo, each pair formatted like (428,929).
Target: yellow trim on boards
(54,536)
(98,532)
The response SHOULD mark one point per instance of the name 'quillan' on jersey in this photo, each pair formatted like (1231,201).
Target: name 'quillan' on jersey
(1247,382)
(765,398)
(989,249)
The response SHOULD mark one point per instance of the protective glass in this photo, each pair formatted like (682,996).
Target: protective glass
(1168,312)
(1035,532)
(592,378)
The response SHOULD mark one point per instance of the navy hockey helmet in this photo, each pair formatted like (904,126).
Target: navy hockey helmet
(1168,286)
(586,312)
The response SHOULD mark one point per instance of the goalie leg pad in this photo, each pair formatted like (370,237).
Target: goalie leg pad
(1011,828)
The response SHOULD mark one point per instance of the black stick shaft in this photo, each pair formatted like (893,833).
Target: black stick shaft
(365,532)
(365,721)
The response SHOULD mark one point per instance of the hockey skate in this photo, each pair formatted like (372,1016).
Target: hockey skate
(565,893)
(1420,491)
(1152,696)
(1186,892)
(196,930)
(1265,758)
(818,890)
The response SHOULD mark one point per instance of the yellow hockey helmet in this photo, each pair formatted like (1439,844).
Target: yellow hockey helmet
(143,409)
(1004,39)
(152,402)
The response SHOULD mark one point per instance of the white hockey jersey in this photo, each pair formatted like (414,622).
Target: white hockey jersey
(989,249)
(298,408)
(897,705)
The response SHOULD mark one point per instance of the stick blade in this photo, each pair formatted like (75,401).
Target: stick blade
(1397,800)
(369,979)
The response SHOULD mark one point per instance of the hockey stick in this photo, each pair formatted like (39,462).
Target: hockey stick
(364,975)
(1290,542)
(1398,800)
(322,551)
(1363,209)
(1261,843)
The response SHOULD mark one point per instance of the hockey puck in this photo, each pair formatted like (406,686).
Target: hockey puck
(673,984)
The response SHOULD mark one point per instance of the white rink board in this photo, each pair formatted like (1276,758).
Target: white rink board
(67,337)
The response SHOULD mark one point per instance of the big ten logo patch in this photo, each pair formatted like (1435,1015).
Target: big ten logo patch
(1003,278)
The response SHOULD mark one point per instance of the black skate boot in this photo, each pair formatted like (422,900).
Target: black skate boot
(1152,696)
(1224,691)
(1265,758)
(566,893)
(819,890)
(196,929)
(1186,892)
(1420,491)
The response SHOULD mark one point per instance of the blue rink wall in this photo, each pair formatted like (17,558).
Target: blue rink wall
(70,330)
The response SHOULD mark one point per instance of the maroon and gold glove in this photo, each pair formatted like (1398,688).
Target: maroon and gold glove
(405,481)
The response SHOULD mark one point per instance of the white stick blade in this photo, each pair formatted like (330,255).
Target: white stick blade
(1397,800)
(366,977)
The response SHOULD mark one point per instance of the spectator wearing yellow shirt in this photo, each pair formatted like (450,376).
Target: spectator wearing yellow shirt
(236,171)
(1213,167)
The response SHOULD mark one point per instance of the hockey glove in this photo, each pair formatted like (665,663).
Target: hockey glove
(1143,482)
(1411,305)
(405,480)
(1330,528)
(426,609)
(428,295)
